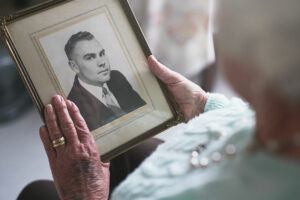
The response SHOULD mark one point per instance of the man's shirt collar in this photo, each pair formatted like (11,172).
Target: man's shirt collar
(97,91)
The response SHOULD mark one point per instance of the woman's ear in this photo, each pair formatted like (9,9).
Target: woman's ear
(74,66)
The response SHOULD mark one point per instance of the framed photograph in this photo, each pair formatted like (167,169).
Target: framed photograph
(94,54)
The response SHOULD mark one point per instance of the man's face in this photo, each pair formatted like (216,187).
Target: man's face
(89,61)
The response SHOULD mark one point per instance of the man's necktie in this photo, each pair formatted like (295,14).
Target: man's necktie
(111,104)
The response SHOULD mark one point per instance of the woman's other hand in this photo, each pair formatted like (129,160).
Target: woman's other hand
(189,96)
(76,166)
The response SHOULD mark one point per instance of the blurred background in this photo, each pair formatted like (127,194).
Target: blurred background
(180,36)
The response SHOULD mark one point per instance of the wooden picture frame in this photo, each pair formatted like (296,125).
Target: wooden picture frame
(58,47)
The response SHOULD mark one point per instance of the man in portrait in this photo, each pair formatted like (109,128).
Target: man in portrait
(101,94)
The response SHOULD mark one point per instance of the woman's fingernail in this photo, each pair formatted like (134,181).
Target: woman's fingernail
(56,99)
(49,108)
(74,105)
(68,102)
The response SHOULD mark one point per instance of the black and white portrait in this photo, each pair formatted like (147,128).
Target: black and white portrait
(92,70)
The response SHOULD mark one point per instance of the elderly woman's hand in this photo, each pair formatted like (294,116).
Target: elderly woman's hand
(76,166)
(189,96)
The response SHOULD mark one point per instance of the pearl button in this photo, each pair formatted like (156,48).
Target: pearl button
(230,150)
(216,157)
(194,161)
(203,162)
(195,154)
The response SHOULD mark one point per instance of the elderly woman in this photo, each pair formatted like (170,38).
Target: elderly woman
(228,151)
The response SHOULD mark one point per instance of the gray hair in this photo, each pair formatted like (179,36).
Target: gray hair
(266,34)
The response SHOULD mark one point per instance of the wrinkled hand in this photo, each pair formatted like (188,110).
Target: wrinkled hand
(76,166)
(189,96)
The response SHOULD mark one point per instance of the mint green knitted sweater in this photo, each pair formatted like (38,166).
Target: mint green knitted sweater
(248,175)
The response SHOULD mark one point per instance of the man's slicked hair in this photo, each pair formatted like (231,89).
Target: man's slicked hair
(80,36)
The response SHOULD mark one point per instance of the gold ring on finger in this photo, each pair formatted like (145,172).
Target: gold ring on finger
(59,142)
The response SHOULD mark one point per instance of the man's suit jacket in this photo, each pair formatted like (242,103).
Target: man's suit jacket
(96,113)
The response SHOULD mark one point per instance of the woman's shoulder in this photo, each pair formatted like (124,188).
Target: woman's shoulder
(168,170)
